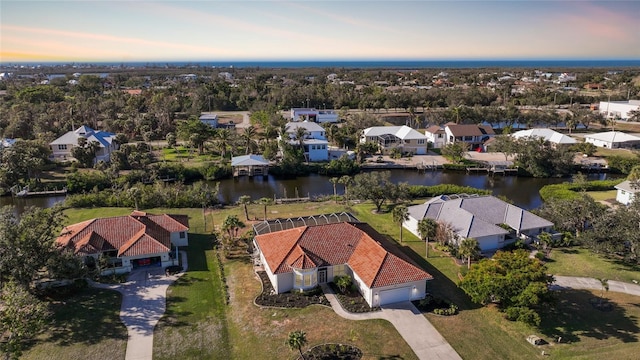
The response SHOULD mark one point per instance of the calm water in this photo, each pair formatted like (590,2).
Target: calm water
(524,192)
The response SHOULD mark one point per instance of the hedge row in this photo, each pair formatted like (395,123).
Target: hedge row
(423,191)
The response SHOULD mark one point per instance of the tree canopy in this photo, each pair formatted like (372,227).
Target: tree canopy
(514,281)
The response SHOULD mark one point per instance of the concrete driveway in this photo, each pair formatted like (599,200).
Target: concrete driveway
(143,304)
(425,341)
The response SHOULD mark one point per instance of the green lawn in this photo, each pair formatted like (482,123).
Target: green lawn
(605,152)
(199,325)
(84,326)
(603,195)
(582,262)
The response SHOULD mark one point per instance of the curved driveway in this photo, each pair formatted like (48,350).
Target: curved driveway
(143,304)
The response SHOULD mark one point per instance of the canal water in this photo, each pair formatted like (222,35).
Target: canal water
(523,191)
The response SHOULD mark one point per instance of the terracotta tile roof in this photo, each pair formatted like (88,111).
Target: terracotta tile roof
(367,252)
(136,234)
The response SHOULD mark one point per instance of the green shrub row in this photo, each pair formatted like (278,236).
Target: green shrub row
(423,191)
(568,190)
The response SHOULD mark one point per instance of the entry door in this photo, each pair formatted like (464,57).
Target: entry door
(322,276)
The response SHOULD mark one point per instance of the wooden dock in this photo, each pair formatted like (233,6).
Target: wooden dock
(28,193)
(290,200)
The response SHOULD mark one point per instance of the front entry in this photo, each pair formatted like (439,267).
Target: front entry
(322,276)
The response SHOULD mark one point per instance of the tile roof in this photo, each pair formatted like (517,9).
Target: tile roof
(358,245)
(132,235)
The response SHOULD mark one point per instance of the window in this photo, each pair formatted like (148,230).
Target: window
(182,234)
(62,147)
(420,141)
(439,136)
(339,270)
(298,280)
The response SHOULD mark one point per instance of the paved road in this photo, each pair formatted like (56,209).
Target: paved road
(594,284)
(143,304)
(425,341)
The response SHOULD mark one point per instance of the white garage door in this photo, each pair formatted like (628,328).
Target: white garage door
(395,295)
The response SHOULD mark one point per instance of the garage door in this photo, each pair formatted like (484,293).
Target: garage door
(395,295)
(421,151)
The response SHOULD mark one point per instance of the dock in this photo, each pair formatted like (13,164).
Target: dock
(291,200)
(27,193)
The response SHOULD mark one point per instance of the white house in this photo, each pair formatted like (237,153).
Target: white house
(613,140)
(390,137)
(301,258)
(61,147)
(474,135)
(314,115)
(316,146)
(618,109)
(436,135)
(136,240)
(626,192)
(549,135)
(483,218)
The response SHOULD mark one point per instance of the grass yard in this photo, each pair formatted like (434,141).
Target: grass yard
(84,326)
(582,262)
(184,155)
(606,152)
(603,195)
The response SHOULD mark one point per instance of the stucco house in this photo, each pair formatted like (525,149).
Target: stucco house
(61,147)
(389,137)
(613,140)
(303,257)
(626,193)
(474,135)
(618,109)
(209,119)
(484,218)
(436,136)
(314,115)
(316,146)
(132,241)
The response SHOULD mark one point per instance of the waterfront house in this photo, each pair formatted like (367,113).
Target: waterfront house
(491,221)
(549,135)
(316,146)
(613,140)
(436,136)
(302,257)
(61,147)
(128,242)
(406,139)
(474,135)
(626,192)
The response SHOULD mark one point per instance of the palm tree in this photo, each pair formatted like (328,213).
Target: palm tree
(604,283)
(334,181)
(400,215)
(346,180)
(231,225)
(245,200)
(469,247)
(300,134)
(223,140)
(265,201)
(297,339)
(248,138)
(427,228)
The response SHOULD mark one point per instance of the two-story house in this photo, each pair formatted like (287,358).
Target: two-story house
(315,115)
(61,147)
(390,137)
(436,136)
(314,141)
(474,135)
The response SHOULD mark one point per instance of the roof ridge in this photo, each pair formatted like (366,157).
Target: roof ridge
(386,254)
(129,243)
(295,245)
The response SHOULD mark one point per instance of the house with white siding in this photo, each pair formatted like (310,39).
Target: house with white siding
(390,137)
(316,146)
(61,147)
(626,192)
(613,140)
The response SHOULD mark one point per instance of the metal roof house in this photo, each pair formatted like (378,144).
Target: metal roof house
(61,147)
(613,140)
(250,165)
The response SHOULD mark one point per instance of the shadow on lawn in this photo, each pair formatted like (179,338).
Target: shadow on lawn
(198,244)
(573,317)
(88,317)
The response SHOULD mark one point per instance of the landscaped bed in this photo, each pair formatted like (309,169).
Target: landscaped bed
(333,352)
(436,305)
(268,297)
(351,300)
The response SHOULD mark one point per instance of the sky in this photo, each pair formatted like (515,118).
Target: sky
(211,30)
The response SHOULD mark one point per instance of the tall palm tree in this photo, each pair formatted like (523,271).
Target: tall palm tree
(223,140)
(469,248)
(400,215)
(334,181)
(427,228)
(604,283)
(300,134)
(231,225)
(245,200)
(265,201)
(296,340)
(346,180)
(248,138)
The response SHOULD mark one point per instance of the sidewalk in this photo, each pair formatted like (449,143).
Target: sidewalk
(425,341)
(143,304)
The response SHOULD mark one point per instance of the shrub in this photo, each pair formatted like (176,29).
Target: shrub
(621,164)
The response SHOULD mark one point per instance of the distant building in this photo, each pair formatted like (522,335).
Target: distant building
(402,137)
(314,115)
(209,119)
(618,109)
(474,135)
(626,192)
(549,135)
(316,146)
